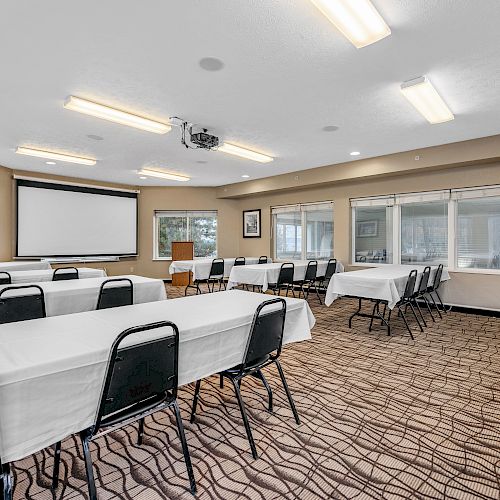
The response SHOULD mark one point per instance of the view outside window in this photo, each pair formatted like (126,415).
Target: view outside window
(199,227)
(319,244)
(288,235)
(373,234)
(424,233)
(478,233)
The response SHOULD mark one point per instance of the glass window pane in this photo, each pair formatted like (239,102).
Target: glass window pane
(424,233)
(478,233)
(288,235)
(319,242)
(203,231)
(373,237)
(170,229)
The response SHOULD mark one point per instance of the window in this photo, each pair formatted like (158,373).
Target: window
(303,231)
(478,231)
(199,227)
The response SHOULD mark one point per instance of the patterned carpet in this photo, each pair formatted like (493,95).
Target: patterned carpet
(382,417)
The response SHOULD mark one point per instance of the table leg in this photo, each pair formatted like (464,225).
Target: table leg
(6,482)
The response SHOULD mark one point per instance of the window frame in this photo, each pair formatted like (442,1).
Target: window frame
(188,214)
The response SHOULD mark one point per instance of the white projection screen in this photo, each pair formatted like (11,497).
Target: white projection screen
(59,220)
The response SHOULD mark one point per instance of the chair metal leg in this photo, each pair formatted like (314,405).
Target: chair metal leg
(258,374)
(441,302)
(317,293)
(288,393)
(420,312)
(57,462)
(429,308)
(195,400)
(416,317)
(373,317)
(406,322)
(85,437)
(140,432)
(436,306)
(245,418)
(6,482)
(185,449)
(221,382)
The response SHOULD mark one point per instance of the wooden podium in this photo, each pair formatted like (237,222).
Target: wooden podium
(182,250)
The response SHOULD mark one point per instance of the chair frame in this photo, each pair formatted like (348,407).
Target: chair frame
(310,281)
(421,292)
(60,275)
(130,415)
(240,261)
(103,289)
(212,278)
(7,280)
(433,288)
(41,295)
(263,259)
(249,368)
(323,281)
(281,284)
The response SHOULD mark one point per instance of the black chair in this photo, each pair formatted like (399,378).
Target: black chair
(116,296)
(69,273)
(285,279)
(5,278)
(420,294)
(262,259)
(309,281)
(433,288)
(263,349)
(140,379)
(239,261)
(331,269)
(21,307)
(216,275)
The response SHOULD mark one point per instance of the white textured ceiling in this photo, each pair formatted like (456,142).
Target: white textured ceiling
(288,73)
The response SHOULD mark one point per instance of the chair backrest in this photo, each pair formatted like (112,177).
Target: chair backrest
(331,269)
(437,277)
(140,376)
(311,270)
(287,271)
(217,268)
(5,278)
(410,284)
(424,280)
(65,273)
(21,307)
(263,259)
(116,296)
(239,261)
(266,332)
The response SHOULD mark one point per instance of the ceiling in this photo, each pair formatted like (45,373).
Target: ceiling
(287,74)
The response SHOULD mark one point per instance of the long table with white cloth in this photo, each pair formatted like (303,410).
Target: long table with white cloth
(75,296)
(52,369)
(24,265)
(33,275)
(263,274)
(385,283)
(201,267)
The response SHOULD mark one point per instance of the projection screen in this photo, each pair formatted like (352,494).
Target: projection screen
(60,220)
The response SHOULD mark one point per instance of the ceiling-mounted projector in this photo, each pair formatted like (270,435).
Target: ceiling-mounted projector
(197,139)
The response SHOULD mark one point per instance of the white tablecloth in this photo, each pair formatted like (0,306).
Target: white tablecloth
(201,267)
(74,296)
(24,265)
(386,282)
(52,369)
(34,276)
(263,274)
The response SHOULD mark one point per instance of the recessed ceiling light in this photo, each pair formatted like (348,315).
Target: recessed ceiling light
(211,64)
(142,177)
(115,115)
(95,137)
(355,153)
(330,128)
(245,176)
(161,174)
(425,98)
(232,149)
(50,162)
(357,20)
(55,156)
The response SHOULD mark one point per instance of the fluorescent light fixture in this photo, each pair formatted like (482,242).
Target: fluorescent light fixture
(151,172)
(50,162)
(51,155)
(424,97)
(357,20)
(115,115)
(355,153)
(232,149)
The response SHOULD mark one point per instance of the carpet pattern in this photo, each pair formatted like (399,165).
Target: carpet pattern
(382,418)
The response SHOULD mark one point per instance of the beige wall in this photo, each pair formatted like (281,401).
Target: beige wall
(5,214)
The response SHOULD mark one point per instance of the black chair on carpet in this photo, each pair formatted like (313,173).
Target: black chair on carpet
(216,275)
(309,281)
(263,349)
(433,289)
(140,379)
(331,269)
(285,279)
(116,296)
(5,278)
(21,307)
(420,293)
(65,273)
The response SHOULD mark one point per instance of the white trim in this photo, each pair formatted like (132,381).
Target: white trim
(68,183)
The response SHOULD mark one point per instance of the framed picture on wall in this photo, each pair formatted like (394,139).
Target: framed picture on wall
(251,223)
(367,229)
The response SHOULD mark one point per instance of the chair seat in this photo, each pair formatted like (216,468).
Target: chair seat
(255,364)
